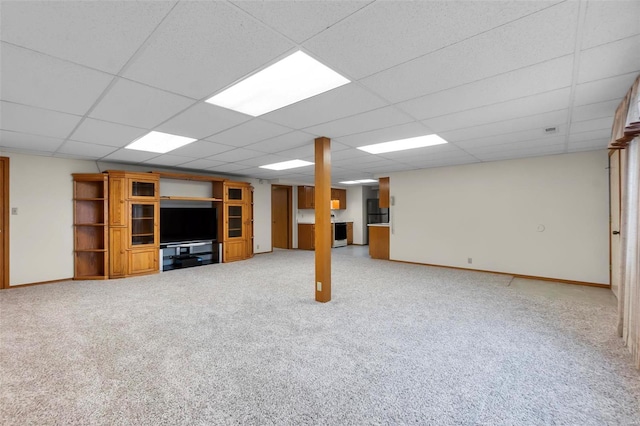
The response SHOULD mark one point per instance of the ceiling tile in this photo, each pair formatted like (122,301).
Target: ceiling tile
(201,164)
(86,150)
(525,146)
(408,130)
(169,160)
(249,132)
(106,133)
(99,34)
(368,41)
(523,107)
(129,156)
(343,101)
(437,157)
(589,145)
(534,151)
(202,120)
(282,142)
(300,20)
(593,124)
(203,47)
(22,142)
(235,155)
(610,21)
(595,63)
(593,111)
(539,78)
(201,149)
(371,120)
(536,38)
(502,139)
(262,160)
(229,168)
(38,80)
(138,105)
(537,122)
(305,152)
(600,134)
(36,121)
(427,151)
(613,88)
(443,162)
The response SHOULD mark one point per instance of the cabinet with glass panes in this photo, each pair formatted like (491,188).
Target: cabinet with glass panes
(238,221)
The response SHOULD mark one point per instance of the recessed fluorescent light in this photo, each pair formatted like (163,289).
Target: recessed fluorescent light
(287,165)
(294,78)
(366,181)
(349,182)
(402,144)
(159,142)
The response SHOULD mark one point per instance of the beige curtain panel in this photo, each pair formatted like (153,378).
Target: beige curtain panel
(626,136)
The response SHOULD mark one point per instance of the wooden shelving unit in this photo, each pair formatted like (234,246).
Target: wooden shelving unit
(90,226)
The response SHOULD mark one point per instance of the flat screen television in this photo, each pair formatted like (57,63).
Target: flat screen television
(187,224)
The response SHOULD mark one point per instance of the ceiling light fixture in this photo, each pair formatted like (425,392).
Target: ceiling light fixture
(350,182)
(159,142)
(287,165)
(367,181)
(402,144)
(294,78)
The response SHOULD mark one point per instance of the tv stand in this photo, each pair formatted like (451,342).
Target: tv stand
(177,255)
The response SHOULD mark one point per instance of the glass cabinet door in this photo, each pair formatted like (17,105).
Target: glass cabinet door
(235,194)
(140,188)
(142,224)
(235,218)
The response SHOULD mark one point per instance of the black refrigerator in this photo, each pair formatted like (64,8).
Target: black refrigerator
(375,214)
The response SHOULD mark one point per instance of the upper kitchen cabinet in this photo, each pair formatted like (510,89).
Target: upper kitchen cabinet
(341,196)
(384,192)
(306,197)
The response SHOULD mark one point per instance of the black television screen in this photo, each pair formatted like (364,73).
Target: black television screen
(179,224)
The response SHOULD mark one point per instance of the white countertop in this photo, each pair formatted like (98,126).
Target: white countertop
(378,224)
(312,220)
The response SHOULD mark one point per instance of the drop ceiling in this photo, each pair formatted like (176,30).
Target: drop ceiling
(83,79)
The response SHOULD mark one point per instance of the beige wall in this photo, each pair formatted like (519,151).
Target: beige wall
(545,216)
(41,235)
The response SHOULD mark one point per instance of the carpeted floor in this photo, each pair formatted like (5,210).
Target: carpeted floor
(245,343)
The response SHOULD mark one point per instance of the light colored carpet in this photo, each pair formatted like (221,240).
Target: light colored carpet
(245,343)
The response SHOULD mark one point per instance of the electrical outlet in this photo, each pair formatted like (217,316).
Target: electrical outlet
(469,260)
(258,247)
(318,286)
(14,211)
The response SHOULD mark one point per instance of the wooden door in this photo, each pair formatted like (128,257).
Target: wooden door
(4,222)
(281,216)
(614,220)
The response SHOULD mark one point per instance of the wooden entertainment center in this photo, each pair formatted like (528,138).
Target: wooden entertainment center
(117,224)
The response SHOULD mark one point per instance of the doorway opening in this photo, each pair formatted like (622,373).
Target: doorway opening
(281,229)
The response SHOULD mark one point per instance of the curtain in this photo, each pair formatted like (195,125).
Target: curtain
(629,292)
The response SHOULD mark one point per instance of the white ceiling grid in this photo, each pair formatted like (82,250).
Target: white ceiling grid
(84,79)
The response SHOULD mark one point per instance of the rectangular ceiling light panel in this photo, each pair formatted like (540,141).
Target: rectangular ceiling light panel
(287,165)
(402,144)
(159,142)
(294,78)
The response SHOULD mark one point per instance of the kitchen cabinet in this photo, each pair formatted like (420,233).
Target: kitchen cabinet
(384,192)
(306,236)
(379,241)
(306,197)
(341,196)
